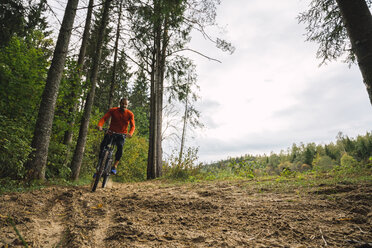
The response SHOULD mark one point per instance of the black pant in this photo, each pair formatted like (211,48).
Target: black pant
(118,141)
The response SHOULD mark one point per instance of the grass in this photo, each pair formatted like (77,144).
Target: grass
(7,185)
(287,181)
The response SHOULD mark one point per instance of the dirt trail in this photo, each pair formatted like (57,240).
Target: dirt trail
(216,214)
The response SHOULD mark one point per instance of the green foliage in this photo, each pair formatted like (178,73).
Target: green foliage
(141,117)
(56,167)
(348,161)
(325,27)
(23,67)
(14,148)
(286,172)
(133,164)
(11,19)
(242,168)
(94,139)
(301,158)
(323,163)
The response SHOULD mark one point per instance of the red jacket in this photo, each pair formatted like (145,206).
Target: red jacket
(119,120)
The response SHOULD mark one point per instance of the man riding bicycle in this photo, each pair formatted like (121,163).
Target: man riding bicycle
(121,117)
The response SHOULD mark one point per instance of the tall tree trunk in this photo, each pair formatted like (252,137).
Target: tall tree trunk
(80,65)
(43,128)
(358,21)
(152,126)
(161,69)
(155,156)
(159,114)
(113,77)
(183,131)
(153,159)
(80,146)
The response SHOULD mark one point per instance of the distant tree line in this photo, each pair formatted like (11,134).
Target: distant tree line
(304,157)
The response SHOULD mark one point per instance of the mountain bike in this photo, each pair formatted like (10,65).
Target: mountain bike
(103,169)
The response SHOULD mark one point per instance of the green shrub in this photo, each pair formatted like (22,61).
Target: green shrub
(286,172)
(133,164)
(14,149)
(243,168)
(56,166)
(305,167)
(185,169)
(323,163)
(348,161)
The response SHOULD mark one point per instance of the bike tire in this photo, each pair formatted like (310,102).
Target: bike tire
(100,170)
(105,178)
(107,171)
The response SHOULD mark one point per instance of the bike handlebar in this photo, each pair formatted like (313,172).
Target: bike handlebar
(106,130)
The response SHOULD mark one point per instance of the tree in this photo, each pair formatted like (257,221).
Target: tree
(182,78)
(76,81)
(342,27)
(139,102)
(161,29)
(80,146)
(116,48)
(358,21)
(11,19)
(152,24)
(42,133)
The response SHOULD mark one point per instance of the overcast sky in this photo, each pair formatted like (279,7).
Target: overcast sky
(271,92)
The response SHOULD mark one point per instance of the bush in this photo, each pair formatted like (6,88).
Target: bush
(348,161)
(243,168)
(57,161)
(305,167)
(286,172)
(14,149)
(133,164)
(286,165)
(323,163)
(185,169)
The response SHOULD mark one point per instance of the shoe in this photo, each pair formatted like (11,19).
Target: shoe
(113,171)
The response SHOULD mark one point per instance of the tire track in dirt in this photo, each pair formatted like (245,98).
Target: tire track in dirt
(90,217)
(214,214)
(40,217)
(50,221)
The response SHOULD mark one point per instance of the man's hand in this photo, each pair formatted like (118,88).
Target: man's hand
(99,128)
(129,135)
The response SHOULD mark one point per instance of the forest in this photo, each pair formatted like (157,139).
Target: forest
(53,93)
(56,85)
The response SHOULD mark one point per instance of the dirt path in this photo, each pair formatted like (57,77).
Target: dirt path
(217,214)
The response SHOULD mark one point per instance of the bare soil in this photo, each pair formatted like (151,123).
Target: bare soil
(213,214)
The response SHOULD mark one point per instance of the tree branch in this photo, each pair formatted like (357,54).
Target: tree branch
(188,49)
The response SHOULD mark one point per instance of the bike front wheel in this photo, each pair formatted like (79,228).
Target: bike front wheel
(100,171)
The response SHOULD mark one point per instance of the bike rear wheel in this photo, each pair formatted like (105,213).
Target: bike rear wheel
(100,171)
